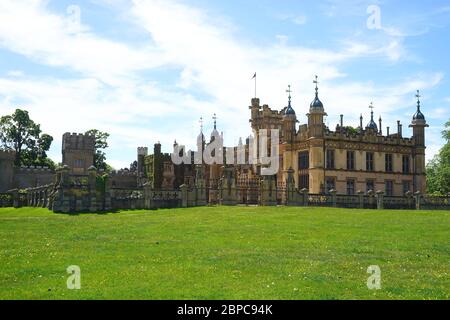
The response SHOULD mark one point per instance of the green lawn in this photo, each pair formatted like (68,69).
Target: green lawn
(225,253)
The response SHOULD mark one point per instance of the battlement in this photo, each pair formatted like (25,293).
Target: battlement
(142,151)
(355,137)
(78,141)
(6,154)
(123,172)
(33,169)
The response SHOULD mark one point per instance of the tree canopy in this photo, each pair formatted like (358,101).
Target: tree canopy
(438,169)
(101,143)
(20,133)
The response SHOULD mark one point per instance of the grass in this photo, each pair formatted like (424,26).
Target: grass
(225,253)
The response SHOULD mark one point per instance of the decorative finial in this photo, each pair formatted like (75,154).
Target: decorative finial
(201,124)
(215,120)
(289,91)
(317,88)
(371,107)
(418,99)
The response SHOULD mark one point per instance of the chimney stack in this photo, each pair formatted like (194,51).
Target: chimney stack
(342,120)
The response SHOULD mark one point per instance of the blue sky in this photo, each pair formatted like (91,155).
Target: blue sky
(146,70)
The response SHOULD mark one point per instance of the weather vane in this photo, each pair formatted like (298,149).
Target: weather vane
(289,91)
(316,81)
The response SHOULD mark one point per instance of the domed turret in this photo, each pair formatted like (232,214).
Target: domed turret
(316,104)
(316,126)
(215,133)
(372,124)
(418,115)
(418,124)
(289,110)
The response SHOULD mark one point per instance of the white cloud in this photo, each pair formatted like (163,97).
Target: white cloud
(26,27)
(299,20)
(109,94)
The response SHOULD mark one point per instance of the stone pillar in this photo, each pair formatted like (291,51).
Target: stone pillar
(28,198)
(418,195)
(409,199)
(45,197)
(305,194)
(333,198)
(65,182)
(148,196)
(38,201)
(370,194)
(200,186)
(39,198)
(92,172)
(290,187)
(33,198)
(380,202)
(361,199)
(107,201)
(184,195)
(15,198)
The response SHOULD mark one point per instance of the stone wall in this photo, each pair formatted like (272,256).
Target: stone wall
(6,169)
(124,179)
(31,177)
(93,193)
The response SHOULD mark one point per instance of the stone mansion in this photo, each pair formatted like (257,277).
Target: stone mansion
(347,159)
(312,157)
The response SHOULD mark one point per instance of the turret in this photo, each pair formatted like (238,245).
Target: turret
(289,120)
(315,116)
(372,126)
(316,130)
(418,124)
(142,152)
(158,166)
(78,152)
(255,107)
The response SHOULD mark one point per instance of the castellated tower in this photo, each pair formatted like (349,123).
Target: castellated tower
(289,121)
(7,158)
(158,166)
(142,152)
(78,152)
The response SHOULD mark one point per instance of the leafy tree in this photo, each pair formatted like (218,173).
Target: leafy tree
(101,143)
(438,169)
(351,130)
(21,134)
